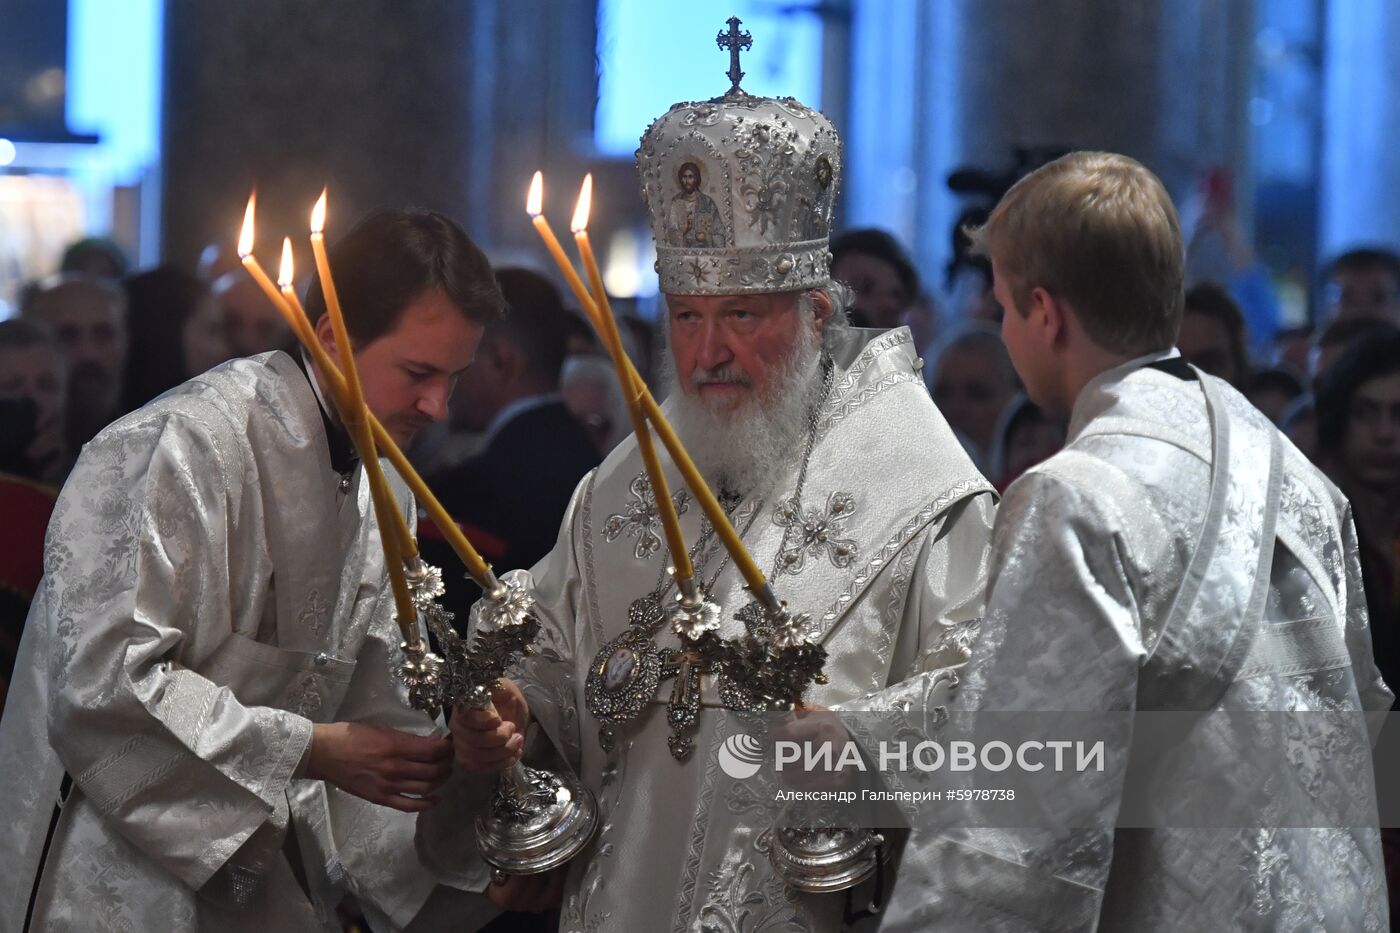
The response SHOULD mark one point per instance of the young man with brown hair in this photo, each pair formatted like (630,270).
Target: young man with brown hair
(1177,555)
(202,732)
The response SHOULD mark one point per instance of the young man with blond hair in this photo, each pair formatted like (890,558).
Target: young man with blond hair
(1177,555)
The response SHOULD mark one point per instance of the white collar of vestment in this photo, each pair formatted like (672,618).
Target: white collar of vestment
(1084,404)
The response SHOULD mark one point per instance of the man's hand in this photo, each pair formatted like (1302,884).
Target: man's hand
(813,726)
(382,765)
(530,893)
(491,740)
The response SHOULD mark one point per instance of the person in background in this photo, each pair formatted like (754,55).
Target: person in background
(1299,425)
(1358,439)
(588,384)
(511,495)
(88,315)
(1340,335)
(32,390)
(1362,283)
(176,331)
(95,256)
(973,381)
(33,397)
(252,323)
(1273,391)
(1218,249)
(1212,333)
(880,274)
(1026,435)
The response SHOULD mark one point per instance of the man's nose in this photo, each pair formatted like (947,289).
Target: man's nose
(433,402)
(714,348)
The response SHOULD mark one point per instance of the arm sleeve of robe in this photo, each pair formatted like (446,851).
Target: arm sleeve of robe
(139,564)
(1376,695)
(942,611)
(1061,633)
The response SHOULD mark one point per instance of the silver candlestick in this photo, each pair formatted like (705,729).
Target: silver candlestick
(537,819)
(770,672)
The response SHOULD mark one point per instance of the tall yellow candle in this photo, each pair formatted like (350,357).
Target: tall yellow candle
(286,276)
(670,520)
(743,561)
(352,412)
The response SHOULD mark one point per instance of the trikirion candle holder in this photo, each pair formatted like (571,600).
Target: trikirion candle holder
(537,819)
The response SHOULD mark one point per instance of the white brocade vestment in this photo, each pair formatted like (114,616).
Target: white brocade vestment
(1177,555)
(210,592)
(887,552)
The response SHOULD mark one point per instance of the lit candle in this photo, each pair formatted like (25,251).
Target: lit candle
(670,521)
(296,319)
(286,276)
(352,412)
(753,577)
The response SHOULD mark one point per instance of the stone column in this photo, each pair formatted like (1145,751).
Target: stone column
(1360,186)
(1164,81)
(437,104)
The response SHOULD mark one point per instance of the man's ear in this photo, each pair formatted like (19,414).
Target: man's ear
(1049,315)
(325,333)
(821,307)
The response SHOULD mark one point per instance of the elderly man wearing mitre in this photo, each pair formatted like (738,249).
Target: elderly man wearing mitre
(846,484)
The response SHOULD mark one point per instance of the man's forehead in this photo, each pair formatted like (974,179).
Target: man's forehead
(726,302)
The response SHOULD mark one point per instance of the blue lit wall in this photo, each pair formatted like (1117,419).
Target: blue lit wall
(114,75)
(653,54)
(1361,159)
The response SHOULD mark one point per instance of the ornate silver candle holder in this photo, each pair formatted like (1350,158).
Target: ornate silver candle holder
(769,672)
(537,819)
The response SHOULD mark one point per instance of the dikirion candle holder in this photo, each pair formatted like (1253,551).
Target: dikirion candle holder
(768,671)
(537,819)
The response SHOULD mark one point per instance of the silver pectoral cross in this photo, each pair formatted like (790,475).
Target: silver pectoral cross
(687,665)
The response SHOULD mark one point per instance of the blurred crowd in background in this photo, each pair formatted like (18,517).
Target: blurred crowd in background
(540,406)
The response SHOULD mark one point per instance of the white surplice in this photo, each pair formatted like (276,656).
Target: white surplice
(887,551)
(1178,554)
(212,589)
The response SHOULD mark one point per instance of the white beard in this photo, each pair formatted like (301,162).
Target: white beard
(748,449)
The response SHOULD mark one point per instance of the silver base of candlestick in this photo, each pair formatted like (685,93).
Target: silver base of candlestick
(538,820)
(820,861)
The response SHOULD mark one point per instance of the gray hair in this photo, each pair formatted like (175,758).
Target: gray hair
(842,298)
(54,286)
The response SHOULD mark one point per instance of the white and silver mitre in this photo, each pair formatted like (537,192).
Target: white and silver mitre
(740,190)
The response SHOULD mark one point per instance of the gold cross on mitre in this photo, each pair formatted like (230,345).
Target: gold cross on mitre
(734,40)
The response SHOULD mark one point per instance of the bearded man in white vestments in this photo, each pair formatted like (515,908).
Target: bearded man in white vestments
(203,732)
(1178,555)
(845,482)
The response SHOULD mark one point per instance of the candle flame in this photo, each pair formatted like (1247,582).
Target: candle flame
(245,237)
(286,274)
(585,204)
(534,202)
(318,214)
